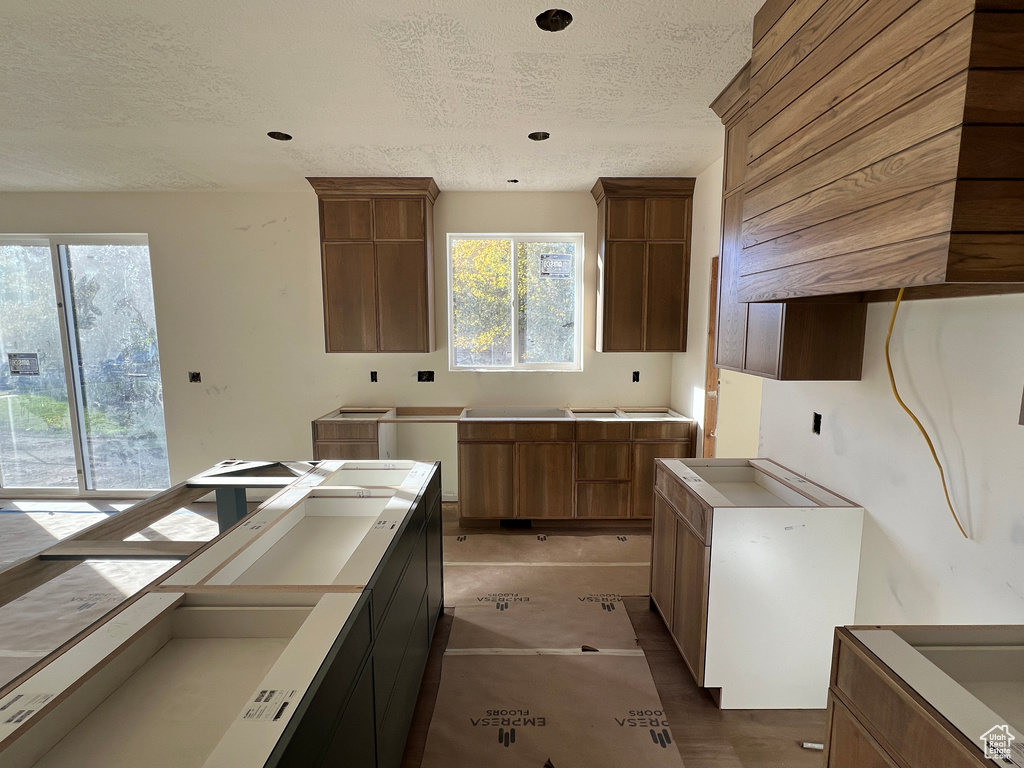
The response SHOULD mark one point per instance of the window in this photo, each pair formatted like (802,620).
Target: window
(515,302)
(81,400)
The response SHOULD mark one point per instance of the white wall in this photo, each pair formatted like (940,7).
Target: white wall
(960,365)
(238,298)
(688,368)
(739,415)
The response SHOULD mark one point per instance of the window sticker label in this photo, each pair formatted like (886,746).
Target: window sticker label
(555,265)
(23,363)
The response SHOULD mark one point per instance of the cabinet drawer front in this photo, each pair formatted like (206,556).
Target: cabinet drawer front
(663,430)
(485,430)
(346,220)
(608,500)
(543,431)
(849,745)
(911,731)
(686,505)
(346,430)
(602,461)
(364,450)
(602,430)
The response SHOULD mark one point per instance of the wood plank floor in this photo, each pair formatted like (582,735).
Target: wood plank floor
(706,736)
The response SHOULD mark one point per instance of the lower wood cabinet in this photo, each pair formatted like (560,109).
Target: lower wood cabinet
(487,480)
(602,500)
(850,746)
(545,480)
(644,455)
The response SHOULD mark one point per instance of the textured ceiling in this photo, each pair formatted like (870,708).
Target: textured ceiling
(179,94)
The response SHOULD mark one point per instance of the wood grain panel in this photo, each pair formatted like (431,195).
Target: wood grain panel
(375,186)
(927,116)
(607,500)
(923,165)
(345,451)
(823,342)
(992,257)
(142,515)
(668,218)
(917,215)
(668,272)
(733,98)
(546,487)
(730,334)
(775,35)
(820,19)
(688,506)
(495,431)
(995,96)
(587,431)
(850,746)
(22,577)
(989,206)
(998,39)
(908,727)
(993,151)
(642,186)
(603,461)
(910,263)
(346,220)
(664,430)
(345,430)
(735,155)
(398,219)
(349,297)
(121,550)
(926,68)
(561,431)
(871,21)
(402,296)
(626,217)
(644,454)
(487,486)
(624,297)
(764,340)
(663,558)
(690,601)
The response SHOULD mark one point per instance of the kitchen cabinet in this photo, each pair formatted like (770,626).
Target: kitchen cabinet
(544,480)
(297,638)
(377,263)
(351,434)
(788,341)
(883,150)
(643,262)
(487,480)
(920,696)
(752,568)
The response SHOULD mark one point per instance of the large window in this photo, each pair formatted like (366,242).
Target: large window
(515,302)
(81,401)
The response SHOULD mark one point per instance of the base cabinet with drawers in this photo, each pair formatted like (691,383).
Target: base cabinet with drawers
(585,469)
(752,568)
(296,639)
(923,696)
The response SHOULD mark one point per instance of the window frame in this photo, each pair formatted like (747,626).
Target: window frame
(518,237)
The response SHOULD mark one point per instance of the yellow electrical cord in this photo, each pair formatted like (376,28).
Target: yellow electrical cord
(892,381)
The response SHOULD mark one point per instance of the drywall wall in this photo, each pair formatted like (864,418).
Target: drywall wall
(739,415)
(960,364)
(688,368)
(238,297)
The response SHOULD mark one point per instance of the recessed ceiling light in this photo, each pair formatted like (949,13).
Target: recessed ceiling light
(512,181)
(539,136)
(280,136)
(554,20)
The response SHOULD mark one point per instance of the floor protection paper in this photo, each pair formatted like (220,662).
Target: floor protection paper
(589,710)
(541,547)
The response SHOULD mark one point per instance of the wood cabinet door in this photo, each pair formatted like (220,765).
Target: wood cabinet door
(398,219)
(545,479)
(346,220)
(602,500)
(350,312)
(849,745)
(731,328)
(690,601)
(487,480)
(668,268)
(626,218)
(668,218)
(602,461)
(764,339)
(644,455)
(402,296)
(663,559)
(623,297)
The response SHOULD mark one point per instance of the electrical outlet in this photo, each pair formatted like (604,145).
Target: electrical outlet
(636,376)
(194,377)
(816,424)
(425,376)
(373,376)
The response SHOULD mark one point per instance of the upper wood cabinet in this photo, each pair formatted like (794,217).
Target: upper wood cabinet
(884,149)
(788,341)
(377,261)
(644,263)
